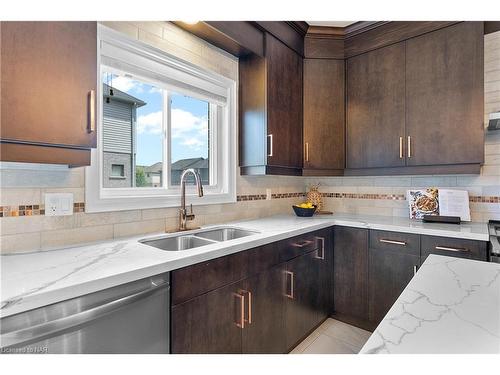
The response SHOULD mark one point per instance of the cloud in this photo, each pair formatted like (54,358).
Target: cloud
(150,123)
(187,129)
(124,83)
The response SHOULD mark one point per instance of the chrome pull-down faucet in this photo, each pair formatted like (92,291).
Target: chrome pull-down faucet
(183,215)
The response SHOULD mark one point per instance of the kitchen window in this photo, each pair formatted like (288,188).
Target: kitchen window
(159,115)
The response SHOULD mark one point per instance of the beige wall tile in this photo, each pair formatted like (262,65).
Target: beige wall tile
(138,227)
(102,218)
(20,243)
(21,224)
(67,237)
(11,197)
(127,28)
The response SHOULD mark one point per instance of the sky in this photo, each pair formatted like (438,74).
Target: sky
(189,122)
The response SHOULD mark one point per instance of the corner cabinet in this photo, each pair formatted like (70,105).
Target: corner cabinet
(270,91)
(49,80)
(324,117)
(416,107)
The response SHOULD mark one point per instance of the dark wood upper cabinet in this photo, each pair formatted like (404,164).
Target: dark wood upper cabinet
(271,111)
(445,96)
(324,117)
(376,108)
(48,72)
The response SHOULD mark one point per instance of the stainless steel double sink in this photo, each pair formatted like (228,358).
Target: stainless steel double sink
(201,237)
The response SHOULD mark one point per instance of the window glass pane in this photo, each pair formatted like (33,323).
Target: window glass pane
(117,170)
(189,144)
(132,132)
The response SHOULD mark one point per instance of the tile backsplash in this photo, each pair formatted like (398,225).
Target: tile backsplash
(23,227)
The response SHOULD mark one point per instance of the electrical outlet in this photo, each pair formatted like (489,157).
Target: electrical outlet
(268,194)
(58,204)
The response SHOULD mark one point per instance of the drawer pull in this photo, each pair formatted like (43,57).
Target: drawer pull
(249,306)
(91,119)
(321,248)
(455,249)
(289,295)
(241,316)
(303,243)
(393,242)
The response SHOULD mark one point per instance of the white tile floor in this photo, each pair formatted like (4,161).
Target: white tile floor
(333,337)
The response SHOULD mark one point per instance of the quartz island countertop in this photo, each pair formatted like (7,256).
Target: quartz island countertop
(451,306)
(37,279)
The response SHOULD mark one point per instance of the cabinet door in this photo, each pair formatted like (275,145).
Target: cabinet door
(376,108)
(48,71)
(284,104)
(389,273)
(445,96)
(264,330)
(350,272)
(324,265)
(210,323)
(301,290)
(324,116)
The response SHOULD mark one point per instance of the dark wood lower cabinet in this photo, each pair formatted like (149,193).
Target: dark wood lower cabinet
(389,273)
(265,330)
(350,272)
(301,289)
(208,323)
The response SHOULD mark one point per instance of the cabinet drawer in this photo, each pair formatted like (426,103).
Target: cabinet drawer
(296,246)
(397,241)
(453,247)
(192,281)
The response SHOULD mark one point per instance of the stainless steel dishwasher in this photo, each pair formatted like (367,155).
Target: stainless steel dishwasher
(129,318)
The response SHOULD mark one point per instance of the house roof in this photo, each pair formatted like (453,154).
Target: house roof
(121,96)
(179,165)
(156,167)
(197,163)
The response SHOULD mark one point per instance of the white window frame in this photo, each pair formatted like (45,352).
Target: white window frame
(222,166)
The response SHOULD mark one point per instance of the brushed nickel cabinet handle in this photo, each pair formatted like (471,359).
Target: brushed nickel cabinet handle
(303,243)
(91,121)
(415,269)
(241,322)
(409,146)
(393,242)
(322,248)
(270,136)
(401,147)
(290,295)
(307,151)
(455,249)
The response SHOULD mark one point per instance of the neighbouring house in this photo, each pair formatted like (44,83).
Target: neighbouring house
(119,137)
(199,164)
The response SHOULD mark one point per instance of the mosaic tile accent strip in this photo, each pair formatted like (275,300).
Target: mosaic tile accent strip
(398,197)
(33,210)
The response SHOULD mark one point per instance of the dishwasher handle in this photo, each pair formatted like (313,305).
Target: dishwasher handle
(49,329)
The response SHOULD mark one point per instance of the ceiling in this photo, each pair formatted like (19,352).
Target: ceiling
(331,23)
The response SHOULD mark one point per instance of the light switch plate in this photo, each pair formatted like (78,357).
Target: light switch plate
(58,204)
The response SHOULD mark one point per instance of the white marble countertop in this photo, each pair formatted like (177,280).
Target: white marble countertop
(451,306)
(37,279)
